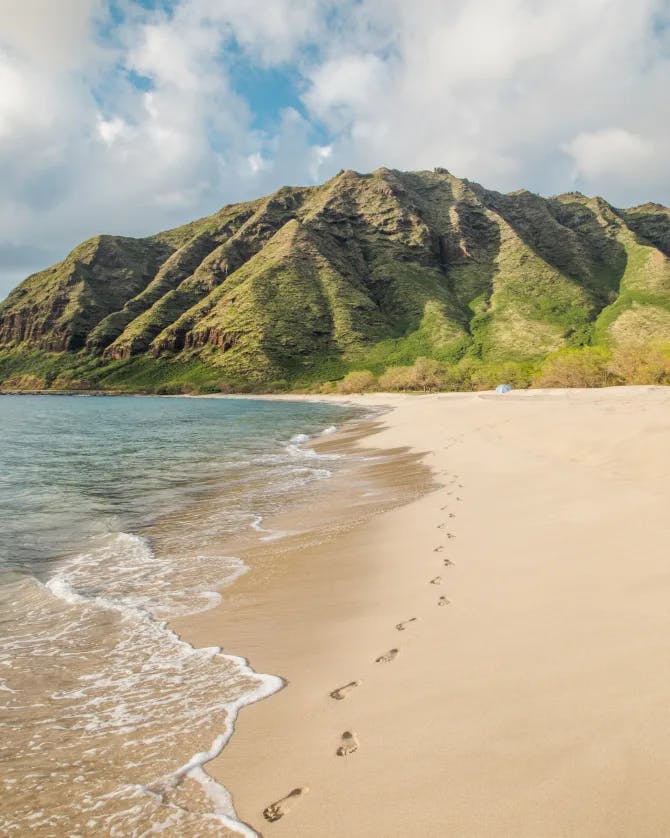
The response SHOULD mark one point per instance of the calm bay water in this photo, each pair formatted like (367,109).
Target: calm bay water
(112,513)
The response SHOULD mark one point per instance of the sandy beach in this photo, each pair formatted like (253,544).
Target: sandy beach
(490,659)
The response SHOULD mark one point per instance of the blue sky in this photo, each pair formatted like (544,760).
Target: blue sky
(129,117)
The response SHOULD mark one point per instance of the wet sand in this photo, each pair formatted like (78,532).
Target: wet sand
(490,659)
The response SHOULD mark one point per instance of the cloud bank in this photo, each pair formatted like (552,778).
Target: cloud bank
(130,117)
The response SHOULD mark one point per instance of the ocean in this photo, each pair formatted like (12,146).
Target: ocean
(113,516)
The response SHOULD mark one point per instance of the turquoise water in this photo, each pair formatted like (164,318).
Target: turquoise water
(75,467)
(112,516)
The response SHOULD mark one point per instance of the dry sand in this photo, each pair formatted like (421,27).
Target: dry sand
(492,659)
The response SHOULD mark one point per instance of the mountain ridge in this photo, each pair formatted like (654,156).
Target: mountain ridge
(363,271)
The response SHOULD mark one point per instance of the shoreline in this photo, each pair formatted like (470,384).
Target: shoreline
(336,398)
(533,703)
(133,696)
(332,510)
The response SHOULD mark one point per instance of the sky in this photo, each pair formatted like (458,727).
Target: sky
(130,117)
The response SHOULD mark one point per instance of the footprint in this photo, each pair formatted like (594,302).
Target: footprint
(282,807)
(450,535)
(447,562)
(443,601)
(349,744)
(452,515)
(387,657)
(436,581)
(401,626)
(438,549)
(342,692)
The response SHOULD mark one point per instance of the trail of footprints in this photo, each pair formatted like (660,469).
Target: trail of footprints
(282,806)
(349,743)
(402,626)
(342,692)
(387,657)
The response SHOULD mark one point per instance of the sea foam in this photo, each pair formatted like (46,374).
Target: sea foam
(163,650)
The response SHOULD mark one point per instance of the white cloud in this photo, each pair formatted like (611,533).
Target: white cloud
(52,34)
(495,91)
(320,155)
(257,163)
(604,152)
(270,31)
(111,130)
(615,161)
(508,92)
(344,86)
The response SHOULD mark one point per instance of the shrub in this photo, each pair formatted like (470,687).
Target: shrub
(458,378)
(23,382)
(187,389)
(226,387)
(357,381)
(641,363)
(586,367)
(168,389)
(65,383)
(425,374)
(488,376)
(280,385)
(396,378)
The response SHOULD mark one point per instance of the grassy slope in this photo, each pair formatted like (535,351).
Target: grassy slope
(58,307)
(365,271)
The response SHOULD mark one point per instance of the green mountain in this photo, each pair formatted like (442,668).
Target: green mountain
(363,272)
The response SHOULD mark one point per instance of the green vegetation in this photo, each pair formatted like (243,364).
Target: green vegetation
(405,281)
(357,381)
